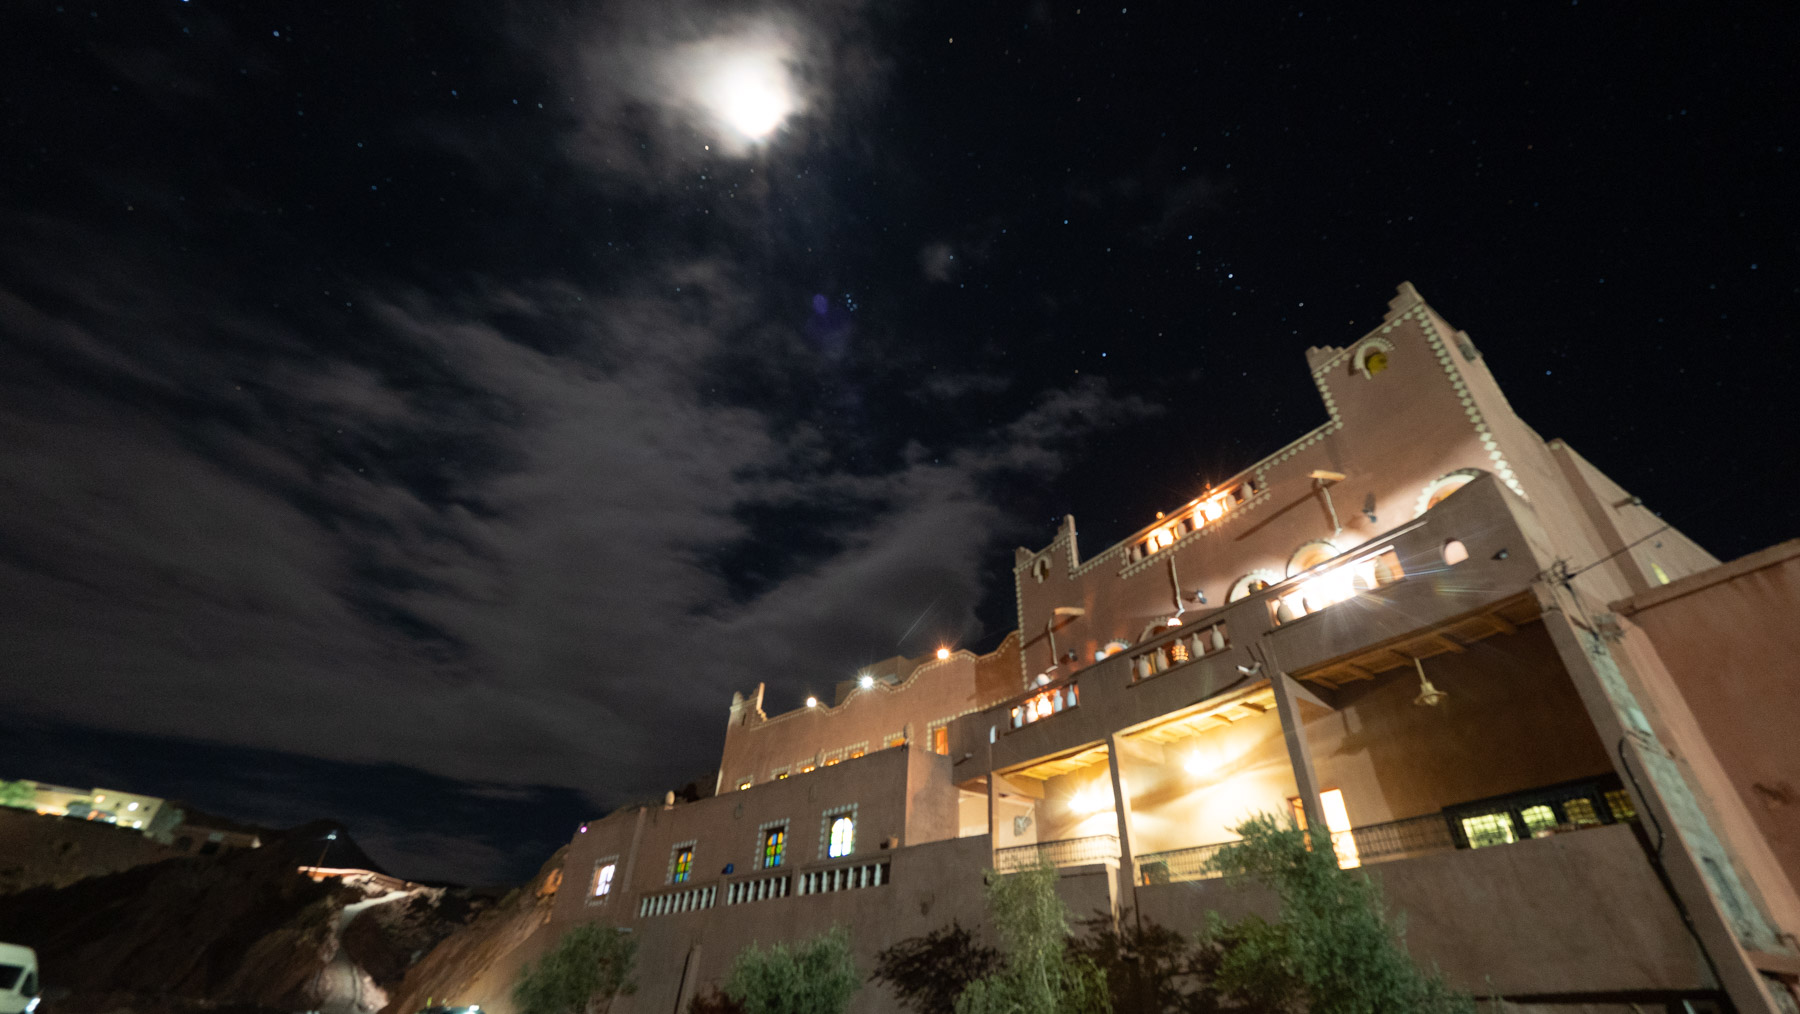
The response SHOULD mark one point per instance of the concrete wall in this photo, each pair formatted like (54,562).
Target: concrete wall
(1571,914)
(1716,656)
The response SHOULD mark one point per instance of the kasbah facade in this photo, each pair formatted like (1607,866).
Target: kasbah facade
(1563,737)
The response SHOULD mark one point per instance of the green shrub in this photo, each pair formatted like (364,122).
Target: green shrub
(928,973)
(1039,974)
(582,974)
(1332,950)
(816,976)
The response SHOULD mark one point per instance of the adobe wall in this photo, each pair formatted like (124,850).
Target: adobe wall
(934,691)
(1512,721)
(1573,913)
(726,830)
(1716,656)
(1435,409)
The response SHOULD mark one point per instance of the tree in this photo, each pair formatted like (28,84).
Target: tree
(928,973)
(1039,975)
(816,976)
(1332,950)
(582,974)
(22,794)
(1149,967)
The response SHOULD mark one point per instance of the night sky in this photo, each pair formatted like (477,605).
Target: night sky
(427,414)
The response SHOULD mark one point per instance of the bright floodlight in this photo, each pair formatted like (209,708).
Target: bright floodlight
(812,702)
(943,653)
(867,682)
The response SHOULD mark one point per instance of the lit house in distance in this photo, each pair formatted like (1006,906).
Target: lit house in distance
(1415,625)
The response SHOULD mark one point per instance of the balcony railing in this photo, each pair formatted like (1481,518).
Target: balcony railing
(686,900)
(1330,583)
(844,878)
(1556,809)
(745,891)
(1067,852)
(1051,700)
(1197,643)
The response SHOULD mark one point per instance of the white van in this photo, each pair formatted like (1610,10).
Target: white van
(18,979)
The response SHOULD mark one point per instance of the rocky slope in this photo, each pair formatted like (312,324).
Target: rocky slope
(245,930)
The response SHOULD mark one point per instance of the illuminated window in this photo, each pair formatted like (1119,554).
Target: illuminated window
(1455,552)
(1619,802)
(843,837)
(1489,829)
(1581,812)
(774,846)
(940,740)
(1337,821)
(1538,818)
(1311,555)
(1440,488)
(1372,358)
(681,863)
(603,877)
(1250,584)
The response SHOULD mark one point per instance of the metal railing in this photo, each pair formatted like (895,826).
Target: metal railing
(1067,852)
(1400,839)
(1177,865)
(844,878)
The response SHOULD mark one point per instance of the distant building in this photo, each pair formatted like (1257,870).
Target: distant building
(156,818)
(1557,731)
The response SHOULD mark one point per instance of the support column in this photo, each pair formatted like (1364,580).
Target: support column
(1293,729)
(1730,926)
(1127,879)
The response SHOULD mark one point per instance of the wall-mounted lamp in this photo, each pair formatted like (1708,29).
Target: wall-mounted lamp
(866,681)
(1501,555)
(812,702)
(1200,595)
(943,653)
(1250,670)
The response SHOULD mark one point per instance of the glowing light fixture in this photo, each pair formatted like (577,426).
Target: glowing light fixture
(584,829)
(866,681)
(943,653)
(812,702)
(1092,799)
(1429,696)
(1337,821)
(1196,765)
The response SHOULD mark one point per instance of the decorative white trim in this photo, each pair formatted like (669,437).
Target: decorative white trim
(1259,574)
(1295,555)
(1360,363)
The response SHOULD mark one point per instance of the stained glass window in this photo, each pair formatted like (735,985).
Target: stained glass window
(603,878)
(843,837)
(1619,801)
(774,846)
(684,865)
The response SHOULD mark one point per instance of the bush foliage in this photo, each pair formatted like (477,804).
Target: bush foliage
(582,974)
(1332,950)
(1039,974)
(816,976)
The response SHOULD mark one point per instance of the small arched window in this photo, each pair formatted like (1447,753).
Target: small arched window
(1372,358)
(1455,552)
(843,837)
(1311,555)
(1439,489)
(1251,583)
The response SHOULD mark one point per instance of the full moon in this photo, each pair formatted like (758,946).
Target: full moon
(743,82)
(750,93)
